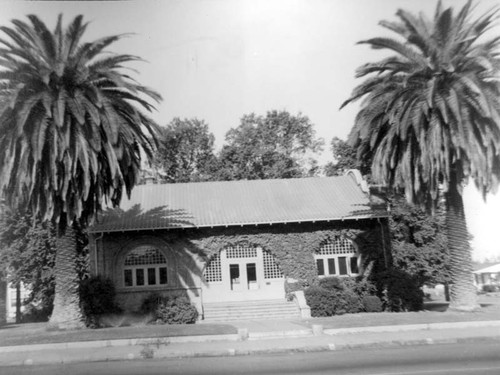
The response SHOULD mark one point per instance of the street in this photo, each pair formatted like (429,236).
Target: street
(478,358)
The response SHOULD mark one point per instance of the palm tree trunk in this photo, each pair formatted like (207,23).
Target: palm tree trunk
(463,296)
(67,313)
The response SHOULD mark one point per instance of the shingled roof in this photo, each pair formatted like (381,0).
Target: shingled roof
(230,203)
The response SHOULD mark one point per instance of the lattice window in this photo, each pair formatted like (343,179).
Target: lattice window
(241,252)
(144,255)
(271,269)
(213,270)
(339,246)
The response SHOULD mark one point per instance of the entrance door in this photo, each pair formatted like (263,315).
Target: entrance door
(243,273)
(243,276)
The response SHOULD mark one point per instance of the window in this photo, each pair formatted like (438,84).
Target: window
(271,269)
(145,266)
(213,272)
(337,258)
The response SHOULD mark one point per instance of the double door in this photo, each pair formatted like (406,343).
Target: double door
(243,275)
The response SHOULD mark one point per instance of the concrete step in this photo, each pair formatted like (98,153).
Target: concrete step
(248,310)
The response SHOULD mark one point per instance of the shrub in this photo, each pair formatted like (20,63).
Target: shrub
(331,283)
(491,288)
(324,302)
(372,304)
(319,300)
(400,291)
(97,297)
(175,309)
(346,302)
(36,313)
(360,285)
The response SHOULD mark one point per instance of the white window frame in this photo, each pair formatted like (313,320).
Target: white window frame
(339,251)
(145,267)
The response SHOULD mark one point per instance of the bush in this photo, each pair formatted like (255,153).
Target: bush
(360,285)
(400,291)
(97,297)
(331,283)
(36,313)
(320,301)
(175,309)
(324,302)
(372,304)
(491,288)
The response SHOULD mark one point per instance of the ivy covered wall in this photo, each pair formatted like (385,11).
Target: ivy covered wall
(293,246)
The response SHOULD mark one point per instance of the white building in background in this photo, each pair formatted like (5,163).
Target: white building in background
(11,301)
(488,276)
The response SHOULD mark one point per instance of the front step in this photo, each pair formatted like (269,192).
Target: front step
(250,310)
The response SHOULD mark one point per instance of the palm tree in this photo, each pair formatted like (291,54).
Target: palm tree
(71,133)
(430,119)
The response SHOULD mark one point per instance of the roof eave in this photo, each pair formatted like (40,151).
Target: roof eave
(225,225)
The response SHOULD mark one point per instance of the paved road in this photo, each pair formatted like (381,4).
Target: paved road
(478,358)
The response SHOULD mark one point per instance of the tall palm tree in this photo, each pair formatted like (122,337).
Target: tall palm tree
(430,118)
(71,134)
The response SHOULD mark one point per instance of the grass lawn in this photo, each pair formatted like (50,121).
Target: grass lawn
(36,333)
(435,312)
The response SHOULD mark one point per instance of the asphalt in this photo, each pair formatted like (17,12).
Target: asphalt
(252,337)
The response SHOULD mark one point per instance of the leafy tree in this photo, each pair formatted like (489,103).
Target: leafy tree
(278,145)
(419,244)
(72,131)
(344,156)
(27,255)
(186,151)
(430,117)
(418,241)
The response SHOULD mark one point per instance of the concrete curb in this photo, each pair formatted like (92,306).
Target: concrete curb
(413,327)
(164,353)
(158,341)
(119,342)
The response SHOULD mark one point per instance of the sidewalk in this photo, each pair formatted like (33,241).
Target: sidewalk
(247,337)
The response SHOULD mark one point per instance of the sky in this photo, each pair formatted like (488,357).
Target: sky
(220,59)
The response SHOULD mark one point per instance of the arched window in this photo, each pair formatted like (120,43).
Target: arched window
(145,266)
(337,258)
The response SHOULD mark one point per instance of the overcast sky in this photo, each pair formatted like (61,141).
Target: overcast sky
(219,59)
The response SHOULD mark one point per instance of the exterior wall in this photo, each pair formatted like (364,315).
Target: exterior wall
(189,250)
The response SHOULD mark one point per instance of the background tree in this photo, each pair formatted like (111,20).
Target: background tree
(345,158)
(430,119)
(27,256)
(71,135)
(278,145)
(186,151)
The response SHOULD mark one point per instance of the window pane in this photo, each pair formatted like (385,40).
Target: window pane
(234,273)
(321,267)
(354,265)
(163,275)
(331,266)
(139,276)
(342,265)
(251,272)
(151,276)
(128,277)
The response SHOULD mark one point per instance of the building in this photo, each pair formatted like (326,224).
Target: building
(488,276)
(236,241)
